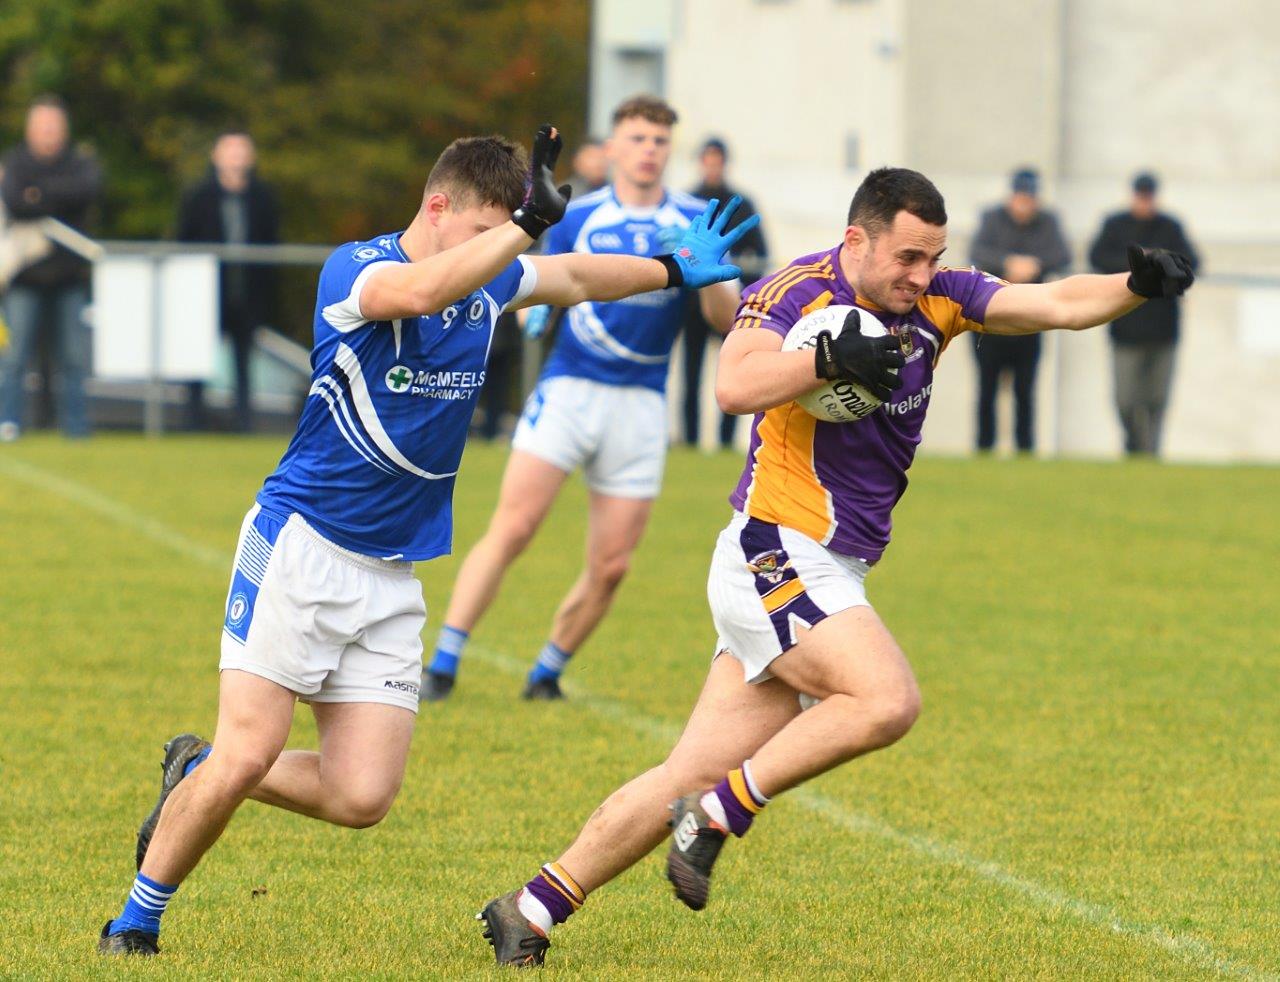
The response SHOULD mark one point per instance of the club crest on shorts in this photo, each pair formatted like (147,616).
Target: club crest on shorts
(771,565)
(238,608)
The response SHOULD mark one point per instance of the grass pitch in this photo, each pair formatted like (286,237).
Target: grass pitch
(1092,790)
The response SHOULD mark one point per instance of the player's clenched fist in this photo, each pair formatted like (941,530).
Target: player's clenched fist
(544,203)
(872,362)
(1158,272)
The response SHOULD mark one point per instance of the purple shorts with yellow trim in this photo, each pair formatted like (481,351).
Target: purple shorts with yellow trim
(768,581)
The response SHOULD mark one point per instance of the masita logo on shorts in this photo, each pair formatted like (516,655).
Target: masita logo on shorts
(237,609)
(399,686)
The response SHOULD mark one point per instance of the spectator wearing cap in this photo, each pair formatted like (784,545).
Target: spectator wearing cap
(1022,242)
(1143,342)
(751,254)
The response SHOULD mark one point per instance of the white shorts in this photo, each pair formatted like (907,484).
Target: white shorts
(616,433)
(767,580)
(324,622)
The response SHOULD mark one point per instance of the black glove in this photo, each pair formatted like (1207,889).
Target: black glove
(864,360)
(544,203)
(1158,272)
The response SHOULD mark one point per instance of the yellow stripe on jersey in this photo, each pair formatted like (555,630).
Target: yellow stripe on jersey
(785,489)
(762,301)
(776,289)
(823,299)
(782,594)
(738,785)
(944,314)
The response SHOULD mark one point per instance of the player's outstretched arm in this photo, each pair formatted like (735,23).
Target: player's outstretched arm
(431,284)
(1079,302)
(428,286)
(698,261)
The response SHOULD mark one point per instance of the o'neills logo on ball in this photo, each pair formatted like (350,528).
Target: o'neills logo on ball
(843,400)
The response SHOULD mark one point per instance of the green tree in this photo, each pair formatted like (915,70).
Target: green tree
(349,102)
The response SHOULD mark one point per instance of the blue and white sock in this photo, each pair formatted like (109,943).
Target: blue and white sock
(146,903)
(551,662)
(197,760)
(449,647)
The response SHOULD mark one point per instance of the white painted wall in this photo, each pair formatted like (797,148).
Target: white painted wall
(1089,91)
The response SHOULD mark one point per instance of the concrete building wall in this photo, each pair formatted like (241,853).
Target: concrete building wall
(811,94)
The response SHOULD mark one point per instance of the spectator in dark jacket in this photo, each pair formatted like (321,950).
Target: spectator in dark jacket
(46,177)
(1143,341)
(1023,243)
(231,205)
(751,254)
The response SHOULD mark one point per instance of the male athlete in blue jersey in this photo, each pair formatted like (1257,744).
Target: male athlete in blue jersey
(323,605)
(600,404)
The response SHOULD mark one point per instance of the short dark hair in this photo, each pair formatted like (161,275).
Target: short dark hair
(645,107)
(481,170)
(889,190)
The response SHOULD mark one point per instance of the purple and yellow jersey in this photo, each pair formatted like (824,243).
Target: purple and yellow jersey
(838,482)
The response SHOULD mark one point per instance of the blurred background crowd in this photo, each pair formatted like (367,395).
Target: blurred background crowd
(302,122)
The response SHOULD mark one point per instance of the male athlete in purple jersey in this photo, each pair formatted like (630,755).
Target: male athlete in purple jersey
(812,515)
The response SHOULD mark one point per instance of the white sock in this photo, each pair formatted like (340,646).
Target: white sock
(535,911)
(712,805)
(751,784)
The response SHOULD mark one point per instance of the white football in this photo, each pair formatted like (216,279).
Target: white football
(840,401)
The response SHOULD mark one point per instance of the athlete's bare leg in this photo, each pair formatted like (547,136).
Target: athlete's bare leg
(529,488)
(615,526)
(356,775)
(869,699)
(254,717)
(729,723)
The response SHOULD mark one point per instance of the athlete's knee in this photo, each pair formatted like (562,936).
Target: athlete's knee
(239,770)
(892,711)
(512,531)
(608,572)
(684,774)
(363,807)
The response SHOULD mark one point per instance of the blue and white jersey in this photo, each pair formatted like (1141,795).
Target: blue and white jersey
(623,342)
(372,465)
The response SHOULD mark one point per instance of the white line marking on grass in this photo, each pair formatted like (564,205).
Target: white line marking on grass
(87,497)
(1187,947)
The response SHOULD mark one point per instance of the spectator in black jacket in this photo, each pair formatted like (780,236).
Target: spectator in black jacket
(751,254)
(1023,243)
(46,177)
(231,205)
(1143,341)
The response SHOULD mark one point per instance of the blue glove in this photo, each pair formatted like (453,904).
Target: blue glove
(535,322)
(705,242)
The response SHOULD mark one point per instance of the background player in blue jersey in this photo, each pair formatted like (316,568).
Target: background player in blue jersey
(600,404)
(323,605)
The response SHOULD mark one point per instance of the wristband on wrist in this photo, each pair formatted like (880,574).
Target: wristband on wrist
(675,275)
